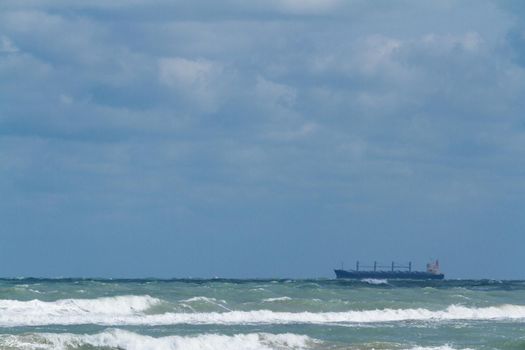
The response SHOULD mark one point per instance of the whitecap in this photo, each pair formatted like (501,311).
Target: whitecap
(374,281)
(216,302)
(121,339)
(109,306)
(442,347)
(136,310)
(204,299)
(271,300)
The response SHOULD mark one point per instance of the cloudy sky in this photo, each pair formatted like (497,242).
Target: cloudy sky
(263,138)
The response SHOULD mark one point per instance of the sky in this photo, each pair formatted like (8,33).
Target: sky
(262,138)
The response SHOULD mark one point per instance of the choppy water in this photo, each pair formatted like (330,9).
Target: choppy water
(261,314)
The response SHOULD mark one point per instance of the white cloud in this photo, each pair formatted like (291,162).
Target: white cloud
(7,46)
(378,52)
(186,73)
(197,80)
(275,93)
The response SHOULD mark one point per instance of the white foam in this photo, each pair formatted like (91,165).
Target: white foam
(271,300)
(15,312)
(442,347)
(217,302)
(135,310)
(121,339)
(374,281)
(204,299)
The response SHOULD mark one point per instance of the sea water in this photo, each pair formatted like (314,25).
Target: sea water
(261,314)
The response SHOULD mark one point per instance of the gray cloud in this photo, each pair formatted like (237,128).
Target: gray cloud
(209,124)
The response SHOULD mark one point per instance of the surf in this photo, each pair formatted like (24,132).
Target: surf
(122,339)
(140,310)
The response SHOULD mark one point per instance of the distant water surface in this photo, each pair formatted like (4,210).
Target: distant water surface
(261,314)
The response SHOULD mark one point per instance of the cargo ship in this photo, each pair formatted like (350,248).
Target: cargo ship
(391,271)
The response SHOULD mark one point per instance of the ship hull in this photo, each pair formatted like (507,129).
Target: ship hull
(415,275)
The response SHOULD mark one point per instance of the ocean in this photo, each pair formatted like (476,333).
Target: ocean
(261,314)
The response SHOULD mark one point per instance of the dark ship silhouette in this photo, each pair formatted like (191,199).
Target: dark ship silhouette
(393,272)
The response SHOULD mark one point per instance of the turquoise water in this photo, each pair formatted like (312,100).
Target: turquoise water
(261,314)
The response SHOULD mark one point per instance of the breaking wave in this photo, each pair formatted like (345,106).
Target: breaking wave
(118,305)
(127,340)
(138,310)
(203,299)
(374,281)
(121,339)
(220,303)
(443,347)
(271,300)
